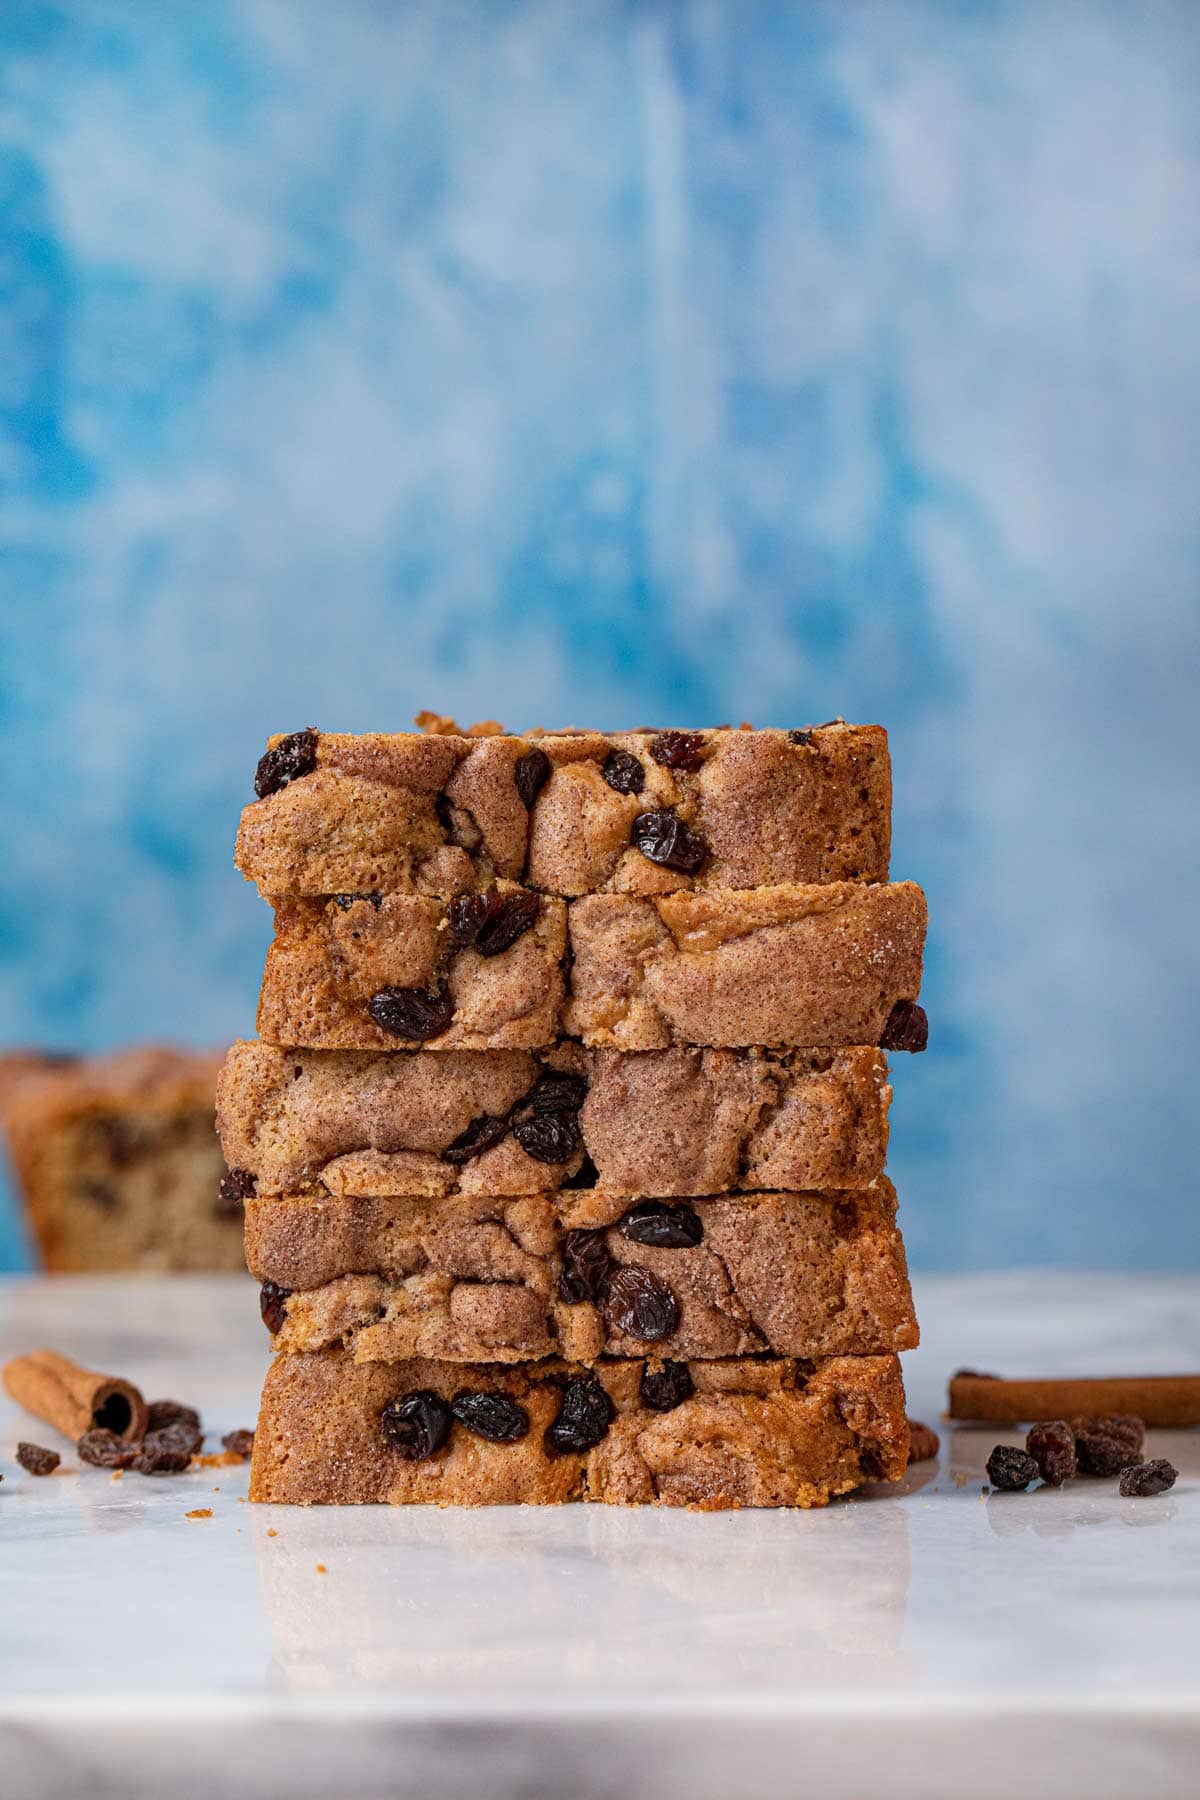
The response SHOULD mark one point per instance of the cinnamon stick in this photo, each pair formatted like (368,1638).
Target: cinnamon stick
(73,1399)
(1158,1399)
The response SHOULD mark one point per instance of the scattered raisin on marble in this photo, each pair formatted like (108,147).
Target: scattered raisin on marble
(666,1227)
(664,839)
(272,1304)
(238,1443)
(492,922)
(1140,1480)
(492,1416)
(664,1389)
(288,760)
(105,1450)
(548,1137)
(640,1304)
(1107,1445)
(169,1451)
(36,1460)
(907,1027)
(922,1442)
(161,1413)
(586,1267)
(800,738)
(531,772)
(623,772)
(678,749)
(412,1012)
(483,1133)
(236,1187)
(1052,1447)
(416,1424)
(1010,1469)
(583,1417)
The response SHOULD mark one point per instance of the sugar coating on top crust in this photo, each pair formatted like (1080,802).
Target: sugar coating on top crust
(806,966)
(786,967)
(679,1121)
(753,1433)
(118,1162)
(331,959)
(443,813)
(811,1275)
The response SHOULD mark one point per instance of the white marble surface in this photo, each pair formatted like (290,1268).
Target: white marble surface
(933,1641)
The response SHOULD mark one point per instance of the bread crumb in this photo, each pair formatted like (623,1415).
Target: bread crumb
(117,1475)
(199,1512)
(321,1569)
(271,1531)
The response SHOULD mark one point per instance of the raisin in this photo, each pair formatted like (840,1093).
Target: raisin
(678,749)
(105,1450)
(483,1133)
(586,1268)
(548,1137)
(922,1442)
(169,1451)
(531,772)
(1052,1447)
(161,1413)
(1106,1446)
(412,1012)
(557,1093)
(1140,1480)
(466,914)
(101,1194)
(640,1304)
(37,1461)
(801,738)
(664,1389)
(238,1443)
(907,1027)
(345,901)
(1126,1427)
(491,922)
(491,1416)
(290,758)
(665,839)
(622,771)
(583,1417)
(416,1424)
(272,1304)
(1010,1469)
(515,915)
(237,1185)
(666,1227)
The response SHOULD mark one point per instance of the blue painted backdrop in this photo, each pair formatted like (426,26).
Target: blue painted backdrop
(599,362)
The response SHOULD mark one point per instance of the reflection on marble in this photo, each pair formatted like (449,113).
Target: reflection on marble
(766,1600)
(594,1652)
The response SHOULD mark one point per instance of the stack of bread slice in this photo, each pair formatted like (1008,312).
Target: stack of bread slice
(562,1142)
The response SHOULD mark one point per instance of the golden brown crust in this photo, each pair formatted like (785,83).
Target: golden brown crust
(118,1162)
(330,959)
(680,1121)
(772,806)
(815,966)
(810,1275)
(806,967)
(758,1433)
